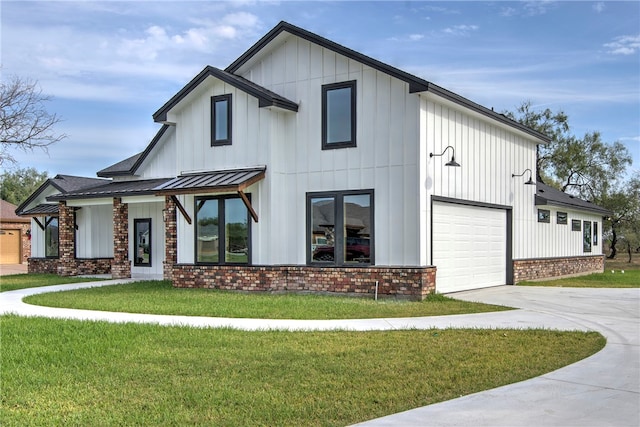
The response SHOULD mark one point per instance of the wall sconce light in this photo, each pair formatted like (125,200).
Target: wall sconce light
(530,181)
(452,162)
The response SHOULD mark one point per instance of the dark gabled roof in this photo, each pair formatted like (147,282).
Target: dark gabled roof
(212,181)
(416,84)
(62,183)
(42,209)
(113,189)
(130,166)
(265,97)
(546,195)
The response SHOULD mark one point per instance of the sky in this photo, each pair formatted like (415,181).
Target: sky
(108,66)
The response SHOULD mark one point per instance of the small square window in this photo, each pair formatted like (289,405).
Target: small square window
(576,225)
(221,120)
(562,218)
(544,215)
(339,115)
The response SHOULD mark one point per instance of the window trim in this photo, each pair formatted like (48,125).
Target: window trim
(339,219)
(136,263)
(352,84)
(214,99)
(47,221)
(576,225)
(544,215)
(221,230)
(563,221)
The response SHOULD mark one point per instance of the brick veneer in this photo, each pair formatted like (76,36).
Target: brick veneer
(120,265)
(67,243)
(402,282)
(170,238)
(82,265)
(543,268)
(43,265)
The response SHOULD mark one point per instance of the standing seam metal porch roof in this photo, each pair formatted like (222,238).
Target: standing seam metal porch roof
(212,181)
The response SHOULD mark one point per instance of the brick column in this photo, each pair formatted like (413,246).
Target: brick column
(120,266)
(170,237)
(67,241)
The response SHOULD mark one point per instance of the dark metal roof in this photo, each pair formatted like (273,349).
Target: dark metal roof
(265,97)
(113,189)
(130,166)
(546,195)
(64,184)
(416,84)
(42,209)
(213,181)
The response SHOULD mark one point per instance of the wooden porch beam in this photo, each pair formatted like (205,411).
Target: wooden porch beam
(181,208)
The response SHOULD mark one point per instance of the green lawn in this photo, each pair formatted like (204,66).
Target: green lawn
(22,281)
(67,372)
(159,297)
(611,278)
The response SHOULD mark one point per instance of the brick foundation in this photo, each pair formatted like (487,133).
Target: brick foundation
(81,265)
(120,265)
(401,282)
(544,268)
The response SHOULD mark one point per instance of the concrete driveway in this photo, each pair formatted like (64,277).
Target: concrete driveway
(602,390)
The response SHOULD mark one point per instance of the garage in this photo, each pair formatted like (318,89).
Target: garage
(10,246)
(469,246)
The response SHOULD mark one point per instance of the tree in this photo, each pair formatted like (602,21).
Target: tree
(16,186)
(576,165)
(624,203)
(24,121)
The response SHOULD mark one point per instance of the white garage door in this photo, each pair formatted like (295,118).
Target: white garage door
(469,247)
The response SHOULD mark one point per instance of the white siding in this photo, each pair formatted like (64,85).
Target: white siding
(37,238)
(143,211)
(557,240)
(161,162)
(94,236)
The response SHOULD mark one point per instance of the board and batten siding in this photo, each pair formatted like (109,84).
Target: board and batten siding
(94,235)
(384,160)
(558,240)
(161,163)
(488,154)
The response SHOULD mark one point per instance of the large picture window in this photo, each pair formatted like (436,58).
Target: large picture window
(221,120)
(339,115)
(223,234)
(51,241)
(340,228)
(142,242)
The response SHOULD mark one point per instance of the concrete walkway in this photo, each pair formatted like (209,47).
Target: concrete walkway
(602,390)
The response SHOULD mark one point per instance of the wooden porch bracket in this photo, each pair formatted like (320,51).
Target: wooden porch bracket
(38,222)
(247,203)
(181,208)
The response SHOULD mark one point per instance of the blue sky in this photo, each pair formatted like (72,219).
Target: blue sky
(110,65)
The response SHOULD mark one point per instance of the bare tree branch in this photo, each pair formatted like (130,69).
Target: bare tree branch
(24,121)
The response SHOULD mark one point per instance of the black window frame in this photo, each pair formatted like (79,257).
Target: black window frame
(339,227)
(221,230)
(576,225)
(137,263)
(47,222)
(352,84)
(229,100)
(586,236)
(563,220)
(544,215)
(595,233)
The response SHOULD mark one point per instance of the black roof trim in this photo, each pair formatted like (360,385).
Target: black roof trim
(141,187)
(416,84)
(62,183)
(546,195)
(41,209)
(130,166)
(265,97)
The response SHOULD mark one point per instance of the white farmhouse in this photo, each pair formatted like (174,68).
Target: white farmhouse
(305,165)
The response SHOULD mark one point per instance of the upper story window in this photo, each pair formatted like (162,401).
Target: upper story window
(339,115)
(221,120)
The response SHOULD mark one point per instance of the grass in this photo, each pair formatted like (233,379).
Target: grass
(67,372)
(32,280)
(611,278)
(159,297)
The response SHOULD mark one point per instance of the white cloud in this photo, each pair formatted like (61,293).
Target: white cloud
(624,45)
(599,7)
(461,30)
(416,37)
